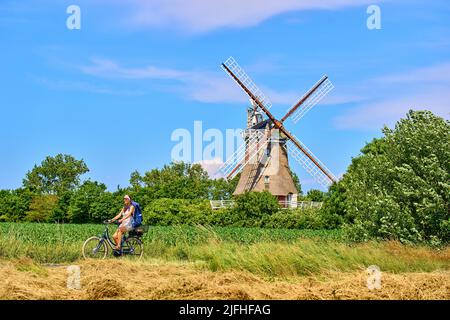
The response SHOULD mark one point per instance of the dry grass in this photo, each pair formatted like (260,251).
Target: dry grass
(122,279)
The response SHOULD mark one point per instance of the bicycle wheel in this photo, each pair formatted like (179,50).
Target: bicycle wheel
(95,248)
(133,248)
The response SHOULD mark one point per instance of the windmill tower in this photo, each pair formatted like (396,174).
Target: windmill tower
(263,158)
(269,169)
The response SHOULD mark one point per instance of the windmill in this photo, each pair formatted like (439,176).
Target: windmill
(263,159)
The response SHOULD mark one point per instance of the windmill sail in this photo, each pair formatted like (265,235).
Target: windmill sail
(310,99)
(321,174)
(234,67)
(245,154)
(253,146)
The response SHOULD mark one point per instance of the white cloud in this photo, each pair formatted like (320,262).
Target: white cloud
(436,73)
(212,166)
(202,86)
(85,86)
(387,112)
(209,88)
(197,16)
(111,69)
(424,88)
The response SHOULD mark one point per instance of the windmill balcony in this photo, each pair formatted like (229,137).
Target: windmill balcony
(284,204)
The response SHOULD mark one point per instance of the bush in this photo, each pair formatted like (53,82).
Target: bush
(251,208)
(398,189)
(165,212)
(295,219)
(223,218)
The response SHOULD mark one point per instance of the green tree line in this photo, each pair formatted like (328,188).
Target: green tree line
(178,193)
(397,188)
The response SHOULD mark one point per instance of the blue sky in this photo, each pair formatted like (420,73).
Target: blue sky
(114,91)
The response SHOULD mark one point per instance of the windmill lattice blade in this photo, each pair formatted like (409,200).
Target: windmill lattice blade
(313,99)
(308,164)
(256,142)
(247,81)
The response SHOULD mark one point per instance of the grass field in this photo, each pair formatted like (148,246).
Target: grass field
(271,257)
(268,252)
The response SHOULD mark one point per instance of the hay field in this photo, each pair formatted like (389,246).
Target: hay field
(122,279)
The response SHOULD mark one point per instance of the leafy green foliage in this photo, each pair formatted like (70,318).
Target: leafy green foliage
(252,207)
(296,219)
(41,208)
(315,195)
(296,182)
(399,188)
(55,175)
(334,211)
(221,189)
(165,212)
(91,203)
(178,180)
(14,204)
(60,212)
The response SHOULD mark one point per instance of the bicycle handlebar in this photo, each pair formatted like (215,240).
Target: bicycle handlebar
(110,222)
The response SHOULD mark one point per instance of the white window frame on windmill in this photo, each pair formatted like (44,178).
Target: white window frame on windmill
(266,182)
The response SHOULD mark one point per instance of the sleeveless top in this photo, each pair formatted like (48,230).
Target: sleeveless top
(127,222)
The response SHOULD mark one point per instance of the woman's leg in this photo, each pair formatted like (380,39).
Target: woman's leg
(115,236)
(120,232)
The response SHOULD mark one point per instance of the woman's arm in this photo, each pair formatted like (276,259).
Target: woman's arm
(118,215)
(129,214)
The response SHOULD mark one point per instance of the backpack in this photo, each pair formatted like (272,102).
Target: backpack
(137,216)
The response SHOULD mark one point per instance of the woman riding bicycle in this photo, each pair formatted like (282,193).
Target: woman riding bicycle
(125,216)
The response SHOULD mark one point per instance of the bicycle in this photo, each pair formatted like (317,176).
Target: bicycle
(97,247)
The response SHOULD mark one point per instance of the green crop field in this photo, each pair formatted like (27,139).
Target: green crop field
(47,233)
(268,252)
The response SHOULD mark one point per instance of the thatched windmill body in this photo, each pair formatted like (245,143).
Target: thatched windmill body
(263,158)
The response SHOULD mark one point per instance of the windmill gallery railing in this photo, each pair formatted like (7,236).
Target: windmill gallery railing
(284,204)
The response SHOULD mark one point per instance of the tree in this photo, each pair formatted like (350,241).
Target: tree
(296,182)
(315,195)
(92,203)
(221,189)
(333,210)
(14,204)
(60,212)
(55,175)
(136,180)
(399,188)
(41,208)
(178,180)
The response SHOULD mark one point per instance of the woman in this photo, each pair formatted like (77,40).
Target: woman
(125,215)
